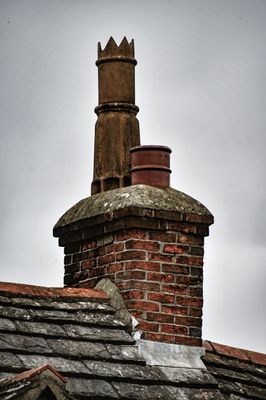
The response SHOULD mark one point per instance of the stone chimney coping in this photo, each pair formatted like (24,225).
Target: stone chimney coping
(138,196)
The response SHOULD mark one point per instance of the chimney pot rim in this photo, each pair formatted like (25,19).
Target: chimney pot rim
(152,147)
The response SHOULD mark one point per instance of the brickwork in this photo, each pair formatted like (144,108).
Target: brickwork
(158,272)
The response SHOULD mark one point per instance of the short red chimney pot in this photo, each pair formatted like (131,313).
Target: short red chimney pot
(150,165)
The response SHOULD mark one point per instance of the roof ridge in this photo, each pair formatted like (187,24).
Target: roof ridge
(55,293)
(235,352)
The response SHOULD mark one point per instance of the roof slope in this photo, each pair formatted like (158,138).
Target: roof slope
(76,332)
(241,374)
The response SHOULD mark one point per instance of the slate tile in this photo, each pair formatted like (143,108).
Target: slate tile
(96,389)
(24,344)
(13,313)
(9,361)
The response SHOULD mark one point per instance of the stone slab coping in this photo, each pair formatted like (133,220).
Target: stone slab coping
(168,202)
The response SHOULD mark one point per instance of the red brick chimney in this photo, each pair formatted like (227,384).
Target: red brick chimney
(147,238)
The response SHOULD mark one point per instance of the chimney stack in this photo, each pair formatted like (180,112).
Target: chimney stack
(146,238)
(117,128)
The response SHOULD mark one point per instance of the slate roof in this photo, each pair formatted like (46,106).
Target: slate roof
(77,333)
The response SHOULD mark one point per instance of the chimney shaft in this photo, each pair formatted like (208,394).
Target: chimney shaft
(117,128)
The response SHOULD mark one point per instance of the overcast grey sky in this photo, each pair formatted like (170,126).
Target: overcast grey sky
(201,89)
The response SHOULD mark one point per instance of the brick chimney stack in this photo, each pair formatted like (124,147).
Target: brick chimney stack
(117,128)
(146,238)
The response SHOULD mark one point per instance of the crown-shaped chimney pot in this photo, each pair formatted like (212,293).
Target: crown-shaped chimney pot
(117,128)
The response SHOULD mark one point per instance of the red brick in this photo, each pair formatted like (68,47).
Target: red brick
(148,326)
(163,236)
(182,227)
(130,275)
(72,248)
(175,289)
(131,255)
(160,317)
(134,284)
(115,267)
(161,297)
(137,314)
(88,245)
(188,341)
(174,329)
(115,247)
(158,277)
(131,234)
(72,268)
(198,261)
(142,305)
(176,310)
(178,269)
(190,239)
(161,257)
(144,265)
(175,249)
(107,259)
(196,291)
(142,245)
(133,294)
(188,321)
(189,301)
(195,312)
(88,264)
(157,337)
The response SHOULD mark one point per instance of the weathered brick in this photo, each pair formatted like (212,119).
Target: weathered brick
(175,289)
(68,259)
(166,258)
(144,265)
(143,305)
(188,321)
(160,317)
(189,301)
(190,239)
(196,250)
(123,275)
(159,277)
(176,310)
(161,297)
(195,332)
(198,261)
(158,337)
(195,312)
(163,236)
(115,247)
(72,268)
(71,248)
(130,234)
(189,341)
(148,326)
(131,255)
(196,291)
(107,259)
(133,294)
(175,249)
(115,267)
(142,284)
(177,269)
(174,329)
(142,245)
(88,245)
(88,264)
